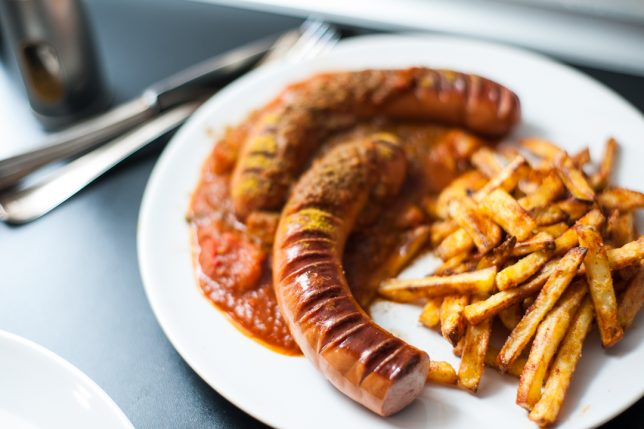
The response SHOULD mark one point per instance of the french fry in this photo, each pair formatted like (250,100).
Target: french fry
(629,254)
(457,242)
(555,230)
(631,300)
(497,256)
(441,372)
(475,282)
(546,341)
(621,199)
(574,208)
(511,316)
(455,265)
(573,178)
(551,188)
(479,311)
(506,179)
(602,178)
(548,296)
(541,147)
(549,215)
(441,229)
(485,233)
(581,158)
(452,320)
(620,228)
(462,186)
(540,241)
(546,410)
(514,370)
(527,302)
(600,284)
(499,206)
(522,270)
(569,239)
(458,348)
(409,245)
(477,339)
(431,314)
(486,161)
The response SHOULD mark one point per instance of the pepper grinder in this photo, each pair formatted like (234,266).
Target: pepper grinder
(55,53)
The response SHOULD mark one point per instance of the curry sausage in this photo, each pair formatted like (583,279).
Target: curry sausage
(361,359)
(293,125)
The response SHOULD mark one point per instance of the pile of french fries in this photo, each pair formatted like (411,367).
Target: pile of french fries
(529,238)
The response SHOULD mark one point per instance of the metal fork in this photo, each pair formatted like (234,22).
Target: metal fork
(32,202)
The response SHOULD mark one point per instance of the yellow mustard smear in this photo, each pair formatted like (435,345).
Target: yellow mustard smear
(313,219)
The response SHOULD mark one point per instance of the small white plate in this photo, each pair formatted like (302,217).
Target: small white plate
(558,103)
(41,390)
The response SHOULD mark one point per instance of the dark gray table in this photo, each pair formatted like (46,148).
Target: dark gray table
(70,281)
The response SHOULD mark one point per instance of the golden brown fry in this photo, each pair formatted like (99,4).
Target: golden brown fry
(549,215)
(545,411)
(550,189)
(552,290)
(477,339)
(581,158)
(600,285)
(541,241)
(457,242)
(498,255)
(479,311)
(602,178)
(441,372)
(506,179)
(629,254)
(541,147)
(511,316)
(621,228)
(499,206)
(486,161)
(452,321)
(574,208)
(409,245)
(527,302)
(475,282)
(621,199)
(431,314)
(573,178)
(522,270)
(454,265)
(555,230)
(631,300)
(441,229)
(485,233)
(546,341)
(462,186)
(458,348)
(514,370)
(569,239)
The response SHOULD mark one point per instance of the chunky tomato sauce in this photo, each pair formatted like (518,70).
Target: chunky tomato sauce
(233,261)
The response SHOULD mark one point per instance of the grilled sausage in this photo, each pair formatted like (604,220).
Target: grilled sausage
(293,125)
(361,359)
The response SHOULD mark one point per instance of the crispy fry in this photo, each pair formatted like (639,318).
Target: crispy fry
(452,320)
(574,208)
(541,147)
(457,242)
(441,372)
(506,179)
(600,284)
(629,254)
(462,186)
(541,241)
(527,302)
(631,300)
(602,178)
(569,239)
(522,270)
(581,158)
(547,409)
(475,282)
(555,230)
(550,188)
(552,290)
(621,228)
(409,245)
(549,215)
(514,370)
(479,311)
(458,348)
(485,233)
(504,210)
(511,316)
(477,338)
(546,341)
(441,229)
(486,161)
(573,178)
(454,265)
(431,314)
(621,199)
(498,255)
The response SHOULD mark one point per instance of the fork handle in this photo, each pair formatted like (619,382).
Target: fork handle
(32,202)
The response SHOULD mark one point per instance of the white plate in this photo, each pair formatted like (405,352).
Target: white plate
(39,389)
(558,103)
